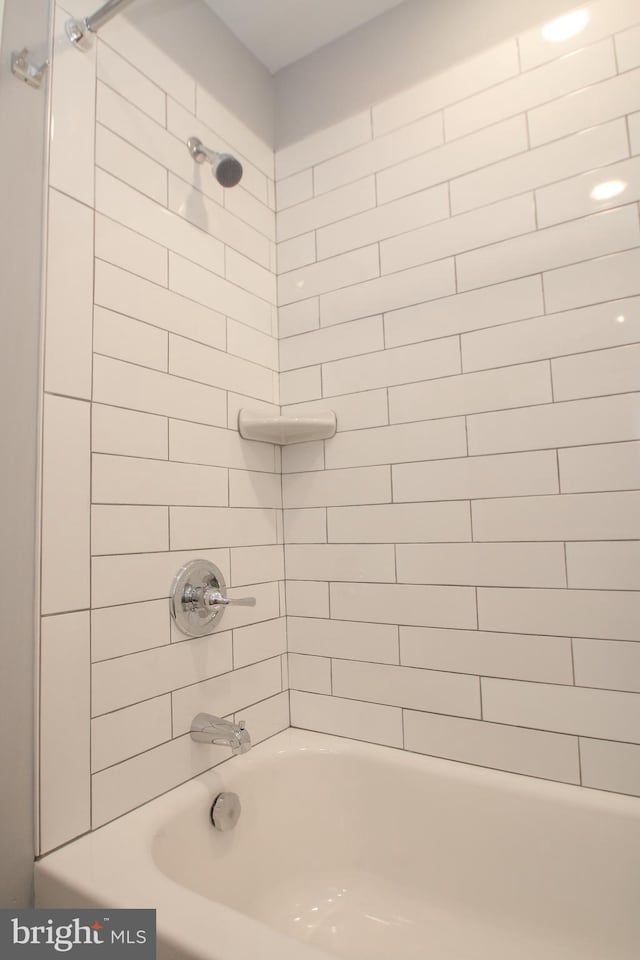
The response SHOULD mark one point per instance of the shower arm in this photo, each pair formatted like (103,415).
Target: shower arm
(77,30)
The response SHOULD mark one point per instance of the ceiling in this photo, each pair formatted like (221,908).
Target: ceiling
(279,32)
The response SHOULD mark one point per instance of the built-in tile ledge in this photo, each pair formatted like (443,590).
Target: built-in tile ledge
(284,430)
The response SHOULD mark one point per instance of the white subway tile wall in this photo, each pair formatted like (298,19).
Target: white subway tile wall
(461,558)
(143,465)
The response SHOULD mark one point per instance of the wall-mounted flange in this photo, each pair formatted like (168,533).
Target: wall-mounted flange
(24,69)
(78,34)
(78,30)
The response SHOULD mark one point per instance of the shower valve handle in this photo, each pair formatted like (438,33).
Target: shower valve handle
(213,598)
(198,598)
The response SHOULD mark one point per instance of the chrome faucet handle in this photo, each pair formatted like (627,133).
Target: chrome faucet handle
(213,598)
(243,744)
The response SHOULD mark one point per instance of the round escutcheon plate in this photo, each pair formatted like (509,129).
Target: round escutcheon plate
(187,601)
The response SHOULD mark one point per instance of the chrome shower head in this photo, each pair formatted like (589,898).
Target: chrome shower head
(225,168)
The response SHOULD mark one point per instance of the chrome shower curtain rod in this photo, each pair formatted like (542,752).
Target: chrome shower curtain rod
(78,29)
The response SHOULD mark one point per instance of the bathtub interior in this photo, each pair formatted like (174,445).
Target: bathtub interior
(368,854)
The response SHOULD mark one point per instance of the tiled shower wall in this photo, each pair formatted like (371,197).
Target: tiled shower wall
(160,326)
(460,558)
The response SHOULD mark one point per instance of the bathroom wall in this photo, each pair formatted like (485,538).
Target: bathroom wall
(160,326)
(23,123)
(404,46)
(462,558)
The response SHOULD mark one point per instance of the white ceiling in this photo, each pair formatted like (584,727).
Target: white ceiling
(279,32)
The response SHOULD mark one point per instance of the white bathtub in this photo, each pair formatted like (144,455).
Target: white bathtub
(367,853)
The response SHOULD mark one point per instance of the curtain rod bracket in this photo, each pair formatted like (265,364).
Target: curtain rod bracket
(78,30)
(77,34)
(25,69)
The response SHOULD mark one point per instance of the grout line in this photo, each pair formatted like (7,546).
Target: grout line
(471,719)
(89,452)
(452,257)
(319,652)
(175,644)
(182,377)
(580,761)
(455,760)
(238,248)
(470,294)
(447,460)
(162,251)
(627,124)
(431,185)
(181,296)
(485,287)
(193,463)
(543,294)
(543,405)
(614,50)
(101,42)
(481,90)
(463,585)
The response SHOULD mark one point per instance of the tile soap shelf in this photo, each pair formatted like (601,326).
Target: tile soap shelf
(253,425)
